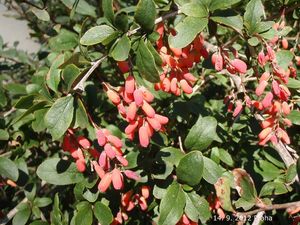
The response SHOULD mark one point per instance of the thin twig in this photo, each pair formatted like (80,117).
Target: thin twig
(268,208)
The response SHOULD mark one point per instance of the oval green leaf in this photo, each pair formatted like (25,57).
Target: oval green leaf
(188,175)
(59,172)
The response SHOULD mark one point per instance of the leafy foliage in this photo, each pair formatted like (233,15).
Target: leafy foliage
(151,112)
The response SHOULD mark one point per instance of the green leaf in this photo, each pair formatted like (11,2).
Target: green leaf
(222,4)
(263,26)
(146,64)
(272,188)
(81,117)
(59,172)
(25,102)
(253,41)
(4,135)
(3,99)
(145,14)
(8,169)
(184,172)
(97,34)
(267,170)
(225,157)
(107,7)
(103,214)
(65,40)
(294,116)
(56,215)
(70,74)
(254,12)
(84,215)
(171,155)
(284,57)
(195,9)
(82,8)
(157,57)
(53,75)
(202,134)
(244,185)
(293,83)
(211,171)
(41,14)
(223,193)
(38,124)
(235,22)
(39,222)
(22,215)
(59,117)
(121,50)
(187,30)
(291,173)
(171,205)
(33,108)
(196,207)
(42,202)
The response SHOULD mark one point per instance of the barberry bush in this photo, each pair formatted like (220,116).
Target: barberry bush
(167,112)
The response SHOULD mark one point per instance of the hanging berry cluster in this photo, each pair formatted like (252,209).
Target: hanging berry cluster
(133,103)
(108,164)
(176,77)
(131,200)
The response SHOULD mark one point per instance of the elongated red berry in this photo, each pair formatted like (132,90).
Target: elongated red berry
(285,43)
(155,124)
(130,84)
(83,142)
(267,101)
(239,65)
(123,66)
(131,175)
(148,110)
(98,169)
(264,133)
(162,119)
(80,164)
(138,97)
(115,141)
(238,108)
(261,88)
(143,136)
(105,182)
(117,179)
(101,138)
(114,97)
(186,87)
(285,108)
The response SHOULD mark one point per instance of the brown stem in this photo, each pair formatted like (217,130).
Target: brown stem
(268,208)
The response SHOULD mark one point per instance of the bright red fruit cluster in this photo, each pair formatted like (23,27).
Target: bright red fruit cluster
(129,201)
(274,103)
(107,164)
(177,63)
(133,103)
